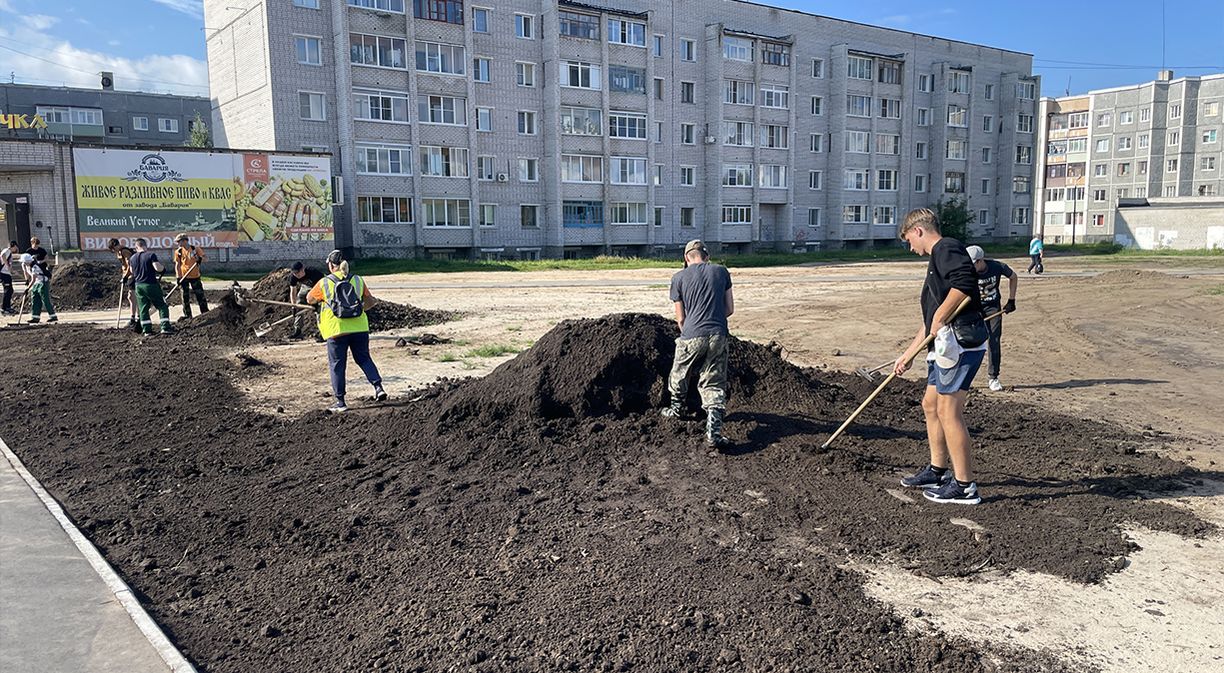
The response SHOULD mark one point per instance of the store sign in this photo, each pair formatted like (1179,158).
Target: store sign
(220,200)
(15,122)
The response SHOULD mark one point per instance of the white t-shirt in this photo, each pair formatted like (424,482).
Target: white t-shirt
(36,272)
(6,261)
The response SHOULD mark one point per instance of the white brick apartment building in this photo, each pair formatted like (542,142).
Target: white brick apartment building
(529,127)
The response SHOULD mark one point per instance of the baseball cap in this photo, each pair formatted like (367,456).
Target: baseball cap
(695,244)
(976,253)
(947,349)
(27,258)
(335,257)
(180,237)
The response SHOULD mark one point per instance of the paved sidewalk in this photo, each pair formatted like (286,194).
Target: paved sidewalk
(56,613)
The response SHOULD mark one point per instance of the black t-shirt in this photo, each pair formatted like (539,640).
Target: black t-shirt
(989,279)
(310,279)
(949,268)
(40,256)
(142,267)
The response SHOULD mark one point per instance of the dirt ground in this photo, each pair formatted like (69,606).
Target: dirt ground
(1061,578)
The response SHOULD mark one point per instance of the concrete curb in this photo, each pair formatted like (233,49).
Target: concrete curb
(168,652)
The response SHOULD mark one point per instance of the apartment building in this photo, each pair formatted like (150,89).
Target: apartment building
(1155,143)
(546,128)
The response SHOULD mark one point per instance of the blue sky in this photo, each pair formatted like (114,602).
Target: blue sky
(158,45)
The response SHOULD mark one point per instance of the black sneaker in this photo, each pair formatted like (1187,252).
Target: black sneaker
(33,321)
(953,493)
(380,395)
(53,318)
(927,477)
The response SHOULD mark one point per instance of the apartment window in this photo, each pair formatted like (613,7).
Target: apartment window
(309,50)
(859,68)
(857,179)
(311,106)
(926,83)
(581,121)
(1024,154)
(487,215)
(954,182)
(687,217)
(886,180)
(920,150)
(985,155)
(889,72)
(658,136)
(816,142)
(658,88)
(1098,195)
(815,179)
(1141,192)
(1171,166)
(1021,184)
(657,48)
(382,106)
(580,75)
(854,214)
(1145,114)
(1170,190)
(818,68)
(384,159)
(688,176)
(1211,109)
(688,134)
(958,82)
(688,92)
(1144,140)
(583,26)
(446,212)
(444,162)
(1210,136)
(1077,145)
(988,123)
(890,108)
(582,168)
(920,183)
(484,119)
(378,51)
(384,210)
(817,105)
(529,170)
(688,50)
(884,215)
(1022,216)
(813,217)
(1125,143)
(774,96)
(1142,168)
(484,168)
(887,143)
(164,124)
(989,93)
(773,53)
(140,123)
(773,176)
(582,214)
(956,149)
(739,92)
(1104,119)
(480,20)
(621,31)
(737,214)
(983,217)
(1173,138)
(526,123)
(957,116)
(737,175)
(1126,117)
(308,4)
(1024,123)
(444,59)
(1175,111)
(858,106)
(442,110)
(924,116)
(1207,190)
(858,142)
(1122,193)
(626,79)
(384,5)
(524,74)
(627,213)
(628,171)
(480,69)
(1100,170)
(737,48)
(524,26)
(1207,163)
(1102,146)
(985,185)
(1026,90)
(627,125)
(775,136)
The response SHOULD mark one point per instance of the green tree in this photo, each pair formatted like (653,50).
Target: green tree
(199,136)
(954,217)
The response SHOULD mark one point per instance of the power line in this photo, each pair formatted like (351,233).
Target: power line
(90,72)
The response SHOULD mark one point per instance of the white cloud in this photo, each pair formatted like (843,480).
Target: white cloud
(193,8)
(6,6)
(38,22)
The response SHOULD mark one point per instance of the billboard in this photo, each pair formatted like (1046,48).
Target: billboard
(220,200)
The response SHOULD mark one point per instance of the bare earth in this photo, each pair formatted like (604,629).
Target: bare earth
(1139,346)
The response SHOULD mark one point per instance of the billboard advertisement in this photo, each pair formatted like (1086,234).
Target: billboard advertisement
(220,200)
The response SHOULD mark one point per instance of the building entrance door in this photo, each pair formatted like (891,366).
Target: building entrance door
(16,224)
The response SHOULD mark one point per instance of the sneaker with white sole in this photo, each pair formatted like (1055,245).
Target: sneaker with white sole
(995,385)
(927,477)
(953,493)
(380,395)
(339,407)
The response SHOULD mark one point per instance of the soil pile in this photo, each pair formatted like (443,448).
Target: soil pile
(595,536)
(85,286)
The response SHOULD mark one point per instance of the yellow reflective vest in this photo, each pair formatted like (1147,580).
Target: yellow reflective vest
(329,324)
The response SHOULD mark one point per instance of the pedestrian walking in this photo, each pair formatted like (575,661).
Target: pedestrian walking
(188,263)
(990,274)
(38,283)
(343,299)
(124,255)
(1037,255)
(703,300)
(146,273)
(6,277)
(302,280)
(952,359)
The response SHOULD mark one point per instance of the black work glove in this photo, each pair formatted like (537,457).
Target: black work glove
(1009,306)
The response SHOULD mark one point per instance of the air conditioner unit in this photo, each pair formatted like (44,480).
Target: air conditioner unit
(502,177)
(710,140)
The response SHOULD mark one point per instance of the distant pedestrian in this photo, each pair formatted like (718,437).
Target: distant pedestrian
(39,286)
(990,273)
(146,272)
(302,280)
(343,301)
(6,277)
(1037,255)
(124,255)
(703,300)
(188,263)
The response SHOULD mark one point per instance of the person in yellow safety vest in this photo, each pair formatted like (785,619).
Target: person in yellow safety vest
(342,293)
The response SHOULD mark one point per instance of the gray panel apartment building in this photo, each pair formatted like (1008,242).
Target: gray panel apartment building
(104,115)
(1155,141)
(528,128)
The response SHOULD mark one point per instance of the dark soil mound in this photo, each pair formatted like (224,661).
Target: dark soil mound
(595,536)
(85,286)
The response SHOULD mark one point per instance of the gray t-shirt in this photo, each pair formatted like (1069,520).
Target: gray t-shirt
(702,289)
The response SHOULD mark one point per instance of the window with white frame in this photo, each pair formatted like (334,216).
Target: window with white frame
(816,142)
(380,106)
(1143,168)
(956,149)
(1022,184)
(1171,166)
(1211,109)
(1102,145)
(739,92)
(818,68)
(1207,163)
(857,179)
(815,179)
(526,122)
(378,51)
(1124,169)
(854,214)
(396,6)
(627,125)
(1026,90)
(140,123)
(582,168)
(480,20)
(628,171)
(775,136)
(888,72)
(581,75)
(858,106)
(1104,119)
(817,105)
(688,50)
(485,168)
(858,142)
(1125,143)
(575,24)
(1175,111)
(440,213)
(920,150)
(890,108)
(737,175)
(737,48)
(688,176)
(985,185)
(983,217)
(1145,114)
(954,182)
(309,49)
(487,215)
(1170,191)
(624,31)
(958,82)
(444,162)
(524,26)
(920,183)
(688,134)
(688,92)
(626,79)
(986,155)
(1207,190)
(384,210)
(886,180)
(481,69)
(1077,145)
(384,159)
(1126,117)
(773,176)
(1077,120)
(529,169)
(1024,123)
(775,96)
(858,67)
(1210,136)
(1100,170)
(442,110)
(884,215)
(524,74)
(484,119)
(813,217)
(1144,140)
(658,88)
(773,53)
(923,117)
(737,214)
(1098,195)
(627,213)
(657,45)
(887,143)
(988,92)
(926,83)
(988,123)
(958,116)
(1173,138)
(1022,215)
(308,4)
(1024,154)
(581,121)
(311,106)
